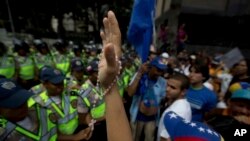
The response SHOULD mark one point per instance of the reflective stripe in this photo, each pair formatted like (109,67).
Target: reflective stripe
(66,104)
(46,133)
(49,134)
(27,133)
(83,93)
(67,118)
(44,121)
(57,109)
(39,100)
(68,123)
(86,101)
(10,127)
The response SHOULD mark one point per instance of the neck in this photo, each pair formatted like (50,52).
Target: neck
(197,86)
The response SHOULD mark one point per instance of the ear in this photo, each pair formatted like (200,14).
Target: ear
(183,92)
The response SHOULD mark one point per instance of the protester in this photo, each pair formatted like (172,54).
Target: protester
(183,130)
(235,116)
(177,86)
(201,99)
(148,88)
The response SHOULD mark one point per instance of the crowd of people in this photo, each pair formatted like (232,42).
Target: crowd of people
(65,92)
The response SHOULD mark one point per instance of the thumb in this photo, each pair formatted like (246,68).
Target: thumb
(109,53)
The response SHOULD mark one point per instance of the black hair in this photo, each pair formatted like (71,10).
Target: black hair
(201,67)
(181,77)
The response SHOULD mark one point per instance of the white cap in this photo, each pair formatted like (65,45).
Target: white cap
(164,55)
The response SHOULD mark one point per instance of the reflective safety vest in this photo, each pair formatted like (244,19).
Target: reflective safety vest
(42,60)
(65,116)
(37,89)
(124,81)
(62,62)
(69,122)
(26,66)
(7,66)
(93,99)
(45,133)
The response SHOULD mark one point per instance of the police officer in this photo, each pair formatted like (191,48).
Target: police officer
(43,56)
(93,99)
(22,119)
(64,103)
(77,76)
(7,63)
(26,73)
(61,56)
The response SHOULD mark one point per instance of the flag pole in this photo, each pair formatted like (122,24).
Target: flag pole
(10,18)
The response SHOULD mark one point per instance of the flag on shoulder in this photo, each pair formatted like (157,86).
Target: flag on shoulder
(181,130)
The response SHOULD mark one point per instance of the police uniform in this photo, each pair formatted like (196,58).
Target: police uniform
(7,66)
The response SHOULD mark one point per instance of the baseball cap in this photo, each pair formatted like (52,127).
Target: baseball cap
(11,94)
(157,62)
(52,75)
(93,66)
(238,85)
(241,94)
(165,55)
(77,65)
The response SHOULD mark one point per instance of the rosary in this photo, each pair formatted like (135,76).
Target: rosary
(93,121)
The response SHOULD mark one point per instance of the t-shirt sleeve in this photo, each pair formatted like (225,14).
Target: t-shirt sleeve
(164,133)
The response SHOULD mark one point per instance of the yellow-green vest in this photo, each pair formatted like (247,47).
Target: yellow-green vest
(51,126)
(7,66)
(26,66)
(42,60)
(62,62)
(89,92)
(45,132)
(37,89)
(69,122)
(68,116)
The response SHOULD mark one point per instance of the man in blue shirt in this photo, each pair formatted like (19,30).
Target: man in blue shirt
(200,98)
(147,88)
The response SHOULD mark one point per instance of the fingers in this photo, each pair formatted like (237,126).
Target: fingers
(102,34)
(111,32)
(115,32)
(106,29)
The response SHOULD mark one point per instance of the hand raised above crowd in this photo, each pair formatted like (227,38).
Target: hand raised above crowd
(109,66)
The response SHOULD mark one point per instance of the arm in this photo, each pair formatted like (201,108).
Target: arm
(131,89)
(135,82)
(116,117)
(109,68)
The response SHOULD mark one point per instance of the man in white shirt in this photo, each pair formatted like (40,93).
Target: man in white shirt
(177,85)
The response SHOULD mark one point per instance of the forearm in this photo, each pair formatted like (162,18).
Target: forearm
(118,128)
(133,87)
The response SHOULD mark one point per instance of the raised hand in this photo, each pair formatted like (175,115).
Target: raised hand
(109,66)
